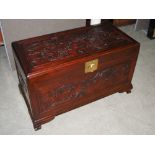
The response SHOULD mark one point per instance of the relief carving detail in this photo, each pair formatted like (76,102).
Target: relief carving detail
(57,47)
(73,91)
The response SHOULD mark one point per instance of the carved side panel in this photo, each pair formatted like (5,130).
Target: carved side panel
(56,94)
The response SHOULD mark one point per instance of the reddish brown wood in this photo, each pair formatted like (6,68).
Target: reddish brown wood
(1,38)
(51,69)
(123,22)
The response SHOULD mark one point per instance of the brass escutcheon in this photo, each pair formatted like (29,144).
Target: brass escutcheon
(91,66)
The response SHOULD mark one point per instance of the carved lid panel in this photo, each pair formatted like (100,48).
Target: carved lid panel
(69,45)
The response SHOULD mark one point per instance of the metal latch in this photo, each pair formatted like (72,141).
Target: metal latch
(91,66)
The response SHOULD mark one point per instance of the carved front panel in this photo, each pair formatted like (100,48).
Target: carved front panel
(68,90)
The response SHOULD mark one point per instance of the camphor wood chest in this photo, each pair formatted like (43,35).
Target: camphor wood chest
(62,71)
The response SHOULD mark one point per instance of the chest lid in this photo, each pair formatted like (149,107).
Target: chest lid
(36,54)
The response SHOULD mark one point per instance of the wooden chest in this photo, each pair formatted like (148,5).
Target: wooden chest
(62,71)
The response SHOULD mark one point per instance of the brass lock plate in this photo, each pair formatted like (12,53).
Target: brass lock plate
(91,66)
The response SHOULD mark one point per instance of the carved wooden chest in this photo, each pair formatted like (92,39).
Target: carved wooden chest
(62,71)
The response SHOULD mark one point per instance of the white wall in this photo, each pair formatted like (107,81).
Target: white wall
(17,29)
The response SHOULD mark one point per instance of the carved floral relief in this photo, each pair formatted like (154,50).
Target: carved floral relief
(81,42)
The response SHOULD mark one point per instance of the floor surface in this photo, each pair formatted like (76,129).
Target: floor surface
(117,114)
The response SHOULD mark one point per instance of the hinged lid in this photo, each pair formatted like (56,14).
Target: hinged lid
(38,53)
